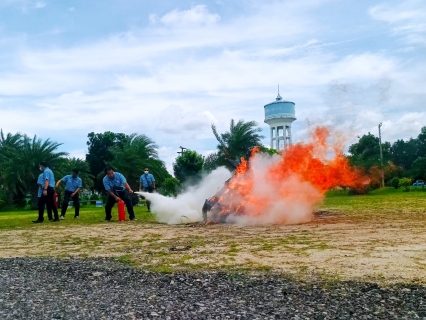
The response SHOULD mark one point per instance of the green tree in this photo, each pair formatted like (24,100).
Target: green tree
(10,148)
(235,143)
(170,186)
(405,183)
(394,182)
(421,140)
(137,153)
(366,152)
(99,154)
(188,166)
(418,169)
(269,151)
(404,153)
(20,173)
(211,162)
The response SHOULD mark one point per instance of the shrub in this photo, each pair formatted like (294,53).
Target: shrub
(394,182)
(2,204)
(405,183)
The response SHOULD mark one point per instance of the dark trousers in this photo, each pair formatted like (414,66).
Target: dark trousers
(149,190)
(50,204)
(124,195)
(41,205)
(76,201)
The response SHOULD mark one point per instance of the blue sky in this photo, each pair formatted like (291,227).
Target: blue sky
(168,69)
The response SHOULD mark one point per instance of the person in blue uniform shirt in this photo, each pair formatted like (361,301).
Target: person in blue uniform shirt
(147,182)
(41,203)
(48,193)
(117,189)
(73,184)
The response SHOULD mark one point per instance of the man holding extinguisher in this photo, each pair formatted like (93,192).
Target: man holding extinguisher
(117,190)
(48,193)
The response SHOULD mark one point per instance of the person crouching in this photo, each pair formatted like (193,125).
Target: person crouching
(117,189)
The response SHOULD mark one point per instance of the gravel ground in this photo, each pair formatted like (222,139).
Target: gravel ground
(44,288)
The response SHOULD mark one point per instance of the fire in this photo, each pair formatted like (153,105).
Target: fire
(286,188)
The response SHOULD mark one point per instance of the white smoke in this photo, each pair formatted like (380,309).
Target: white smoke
(186,207)
(283,201)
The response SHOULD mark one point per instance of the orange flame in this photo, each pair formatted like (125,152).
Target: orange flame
(296,182)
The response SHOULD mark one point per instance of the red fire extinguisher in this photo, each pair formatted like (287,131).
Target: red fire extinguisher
(56,200)
(121,212)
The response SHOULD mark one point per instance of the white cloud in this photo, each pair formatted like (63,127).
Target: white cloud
(197,15)
(172,83)
(23,5)
(407,19)
(39,4)
(390,15)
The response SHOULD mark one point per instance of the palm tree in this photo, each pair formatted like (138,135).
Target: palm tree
(137,153)
(10,147)
(241,137)
(22,172)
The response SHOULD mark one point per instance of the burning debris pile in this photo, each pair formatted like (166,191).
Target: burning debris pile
(285,188)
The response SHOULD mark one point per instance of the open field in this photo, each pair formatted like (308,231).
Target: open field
(378,237)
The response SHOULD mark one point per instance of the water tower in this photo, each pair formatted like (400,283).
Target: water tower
(279,114)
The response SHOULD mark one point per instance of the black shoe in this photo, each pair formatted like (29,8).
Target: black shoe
(50,219)
(37,221)
(55,220)
(133,219)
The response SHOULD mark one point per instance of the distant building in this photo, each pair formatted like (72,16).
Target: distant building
(279,114)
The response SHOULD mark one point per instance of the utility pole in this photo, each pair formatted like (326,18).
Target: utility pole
(182,150)
(381,154)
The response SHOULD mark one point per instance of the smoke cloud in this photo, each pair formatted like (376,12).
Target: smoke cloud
(280,189)
(186,207)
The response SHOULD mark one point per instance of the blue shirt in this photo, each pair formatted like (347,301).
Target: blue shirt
(72,184)
(40,181)
(147,180)
(117,181)
(48,175)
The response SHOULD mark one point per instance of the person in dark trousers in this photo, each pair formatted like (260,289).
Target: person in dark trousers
(117,189)
(147,182)
(73,184)
(48,193)
(41,203)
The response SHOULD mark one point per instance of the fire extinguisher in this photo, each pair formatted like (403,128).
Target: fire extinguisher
(55,200)
(121,212)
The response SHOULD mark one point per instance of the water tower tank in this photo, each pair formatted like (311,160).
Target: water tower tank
(279,114)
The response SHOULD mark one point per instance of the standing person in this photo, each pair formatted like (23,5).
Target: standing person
(48,193)
(147,181)
(41,203)
(117,189)
(73,184)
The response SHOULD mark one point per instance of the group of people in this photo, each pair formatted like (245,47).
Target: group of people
(115,184)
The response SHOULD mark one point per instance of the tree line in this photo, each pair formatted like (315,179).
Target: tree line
(129,154)
(403,159)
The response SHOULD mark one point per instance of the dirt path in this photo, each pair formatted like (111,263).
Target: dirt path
(331,246)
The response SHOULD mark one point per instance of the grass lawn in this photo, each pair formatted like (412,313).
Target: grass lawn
(89,214)
(378,237)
